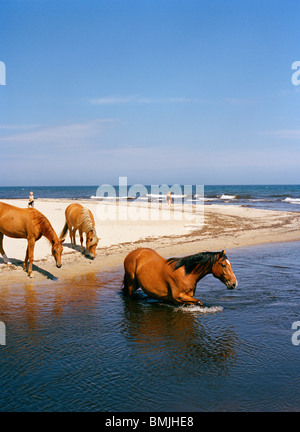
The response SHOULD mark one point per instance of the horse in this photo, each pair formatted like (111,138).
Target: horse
(28,223)
(174,280)
(82,219)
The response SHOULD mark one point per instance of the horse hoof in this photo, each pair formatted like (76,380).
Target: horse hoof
(31,275)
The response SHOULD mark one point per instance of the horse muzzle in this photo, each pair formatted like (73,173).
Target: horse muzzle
(89,255)
(58,265)
(231,286)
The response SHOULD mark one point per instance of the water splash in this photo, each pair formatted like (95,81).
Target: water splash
(200,309)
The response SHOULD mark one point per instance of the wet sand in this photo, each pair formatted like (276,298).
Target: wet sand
(214,227)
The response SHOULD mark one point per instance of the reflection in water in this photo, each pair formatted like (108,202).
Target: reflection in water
(69,341)
(81,345)
(174,337)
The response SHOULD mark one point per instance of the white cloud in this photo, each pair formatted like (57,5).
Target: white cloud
(117,100)
(71,134)
(113,100)
(19,127)
(284,133)
(136,99)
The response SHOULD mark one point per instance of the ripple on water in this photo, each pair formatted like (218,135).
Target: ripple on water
(82,345)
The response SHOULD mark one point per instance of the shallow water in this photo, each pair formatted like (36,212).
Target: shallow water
(82,346)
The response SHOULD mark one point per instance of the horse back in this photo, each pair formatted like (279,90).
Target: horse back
(73,215)
(150,272)
(16,222)
(143,261)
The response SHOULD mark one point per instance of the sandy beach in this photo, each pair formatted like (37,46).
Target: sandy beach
(209,228)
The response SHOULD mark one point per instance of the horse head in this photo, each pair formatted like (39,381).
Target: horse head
(91,243)
(57,249)
(222,270)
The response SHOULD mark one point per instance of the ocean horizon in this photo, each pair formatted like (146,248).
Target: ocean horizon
(272,197)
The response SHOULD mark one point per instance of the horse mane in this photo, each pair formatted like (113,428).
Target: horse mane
(86,222)
(190,262)
(44,225)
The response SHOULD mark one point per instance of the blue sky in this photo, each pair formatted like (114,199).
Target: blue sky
(168,91)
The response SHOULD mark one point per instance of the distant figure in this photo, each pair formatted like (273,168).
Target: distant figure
(31,200)
(169,198)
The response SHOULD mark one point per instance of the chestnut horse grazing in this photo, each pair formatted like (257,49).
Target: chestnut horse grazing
(82,219)
(31,224)
(174,279)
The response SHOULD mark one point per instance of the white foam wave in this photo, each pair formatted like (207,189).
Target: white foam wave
(163,196)
(292,200)
(112,197)
(227,197)
(201,198)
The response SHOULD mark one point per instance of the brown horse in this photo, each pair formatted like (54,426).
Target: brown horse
(31,224)
(174,279)
(82,219)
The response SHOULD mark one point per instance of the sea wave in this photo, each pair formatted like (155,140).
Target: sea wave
(112,197)
(227,197)
(175,196)
(292,200)
(202,198)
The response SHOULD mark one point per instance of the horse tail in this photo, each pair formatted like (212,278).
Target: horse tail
(64,231)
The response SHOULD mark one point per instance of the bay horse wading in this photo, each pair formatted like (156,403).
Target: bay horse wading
(174,280)
(82,219)
(28,223)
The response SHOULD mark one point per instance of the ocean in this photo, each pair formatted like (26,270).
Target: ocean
(80,345)
(272,197)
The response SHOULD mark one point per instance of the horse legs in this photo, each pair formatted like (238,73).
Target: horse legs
(30,250)
(185,298)
(5,259)
(81,240)
(72,232)
(130,284)
(71,236)
(26,260)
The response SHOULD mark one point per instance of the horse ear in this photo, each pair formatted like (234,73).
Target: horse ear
(223,252)
(61,242)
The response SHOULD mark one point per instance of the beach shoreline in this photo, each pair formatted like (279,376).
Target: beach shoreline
(216,227)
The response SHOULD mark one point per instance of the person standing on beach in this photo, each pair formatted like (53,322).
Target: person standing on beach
(169,198)
(31,200)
